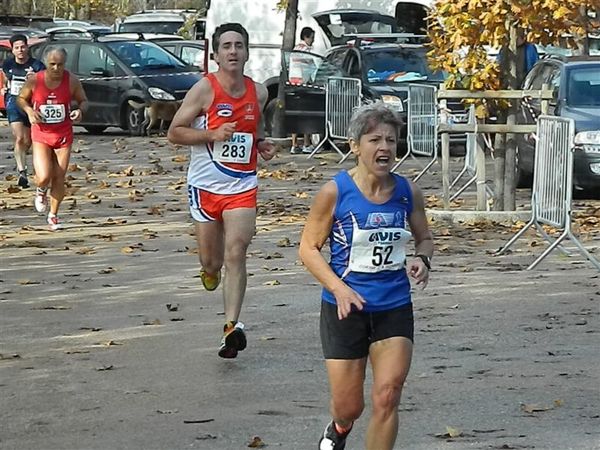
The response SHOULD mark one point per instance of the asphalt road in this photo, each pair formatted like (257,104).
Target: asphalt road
(108,341)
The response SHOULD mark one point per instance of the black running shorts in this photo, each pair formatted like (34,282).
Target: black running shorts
(350,338)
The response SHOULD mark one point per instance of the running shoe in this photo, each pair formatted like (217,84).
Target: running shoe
(210,282)
(295,150)
(306,150)
(54,222)
(41,200)
(331,439)
(23,182)
(233,341)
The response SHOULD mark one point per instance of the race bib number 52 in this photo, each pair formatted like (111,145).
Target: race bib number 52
(378,249)
(236,150)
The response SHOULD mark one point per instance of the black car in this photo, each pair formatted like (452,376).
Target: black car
(114,69)
(575,81)
(386,69)
(304,95)
(189,51)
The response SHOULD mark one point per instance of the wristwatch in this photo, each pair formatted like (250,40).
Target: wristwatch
(426,260)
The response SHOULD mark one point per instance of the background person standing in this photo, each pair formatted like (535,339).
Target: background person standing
(16,71)
(307,36)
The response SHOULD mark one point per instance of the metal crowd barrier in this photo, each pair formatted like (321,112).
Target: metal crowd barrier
(469,167)
(342,97)
(552,189)
(422,133)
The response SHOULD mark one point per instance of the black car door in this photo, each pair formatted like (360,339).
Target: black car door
(305,91)
(97,70)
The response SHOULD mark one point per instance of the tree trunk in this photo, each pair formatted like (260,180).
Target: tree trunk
(510,62)
(5,7)
(289,37)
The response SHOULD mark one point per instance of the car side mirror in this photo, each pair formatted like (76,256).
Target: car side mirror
(99,72)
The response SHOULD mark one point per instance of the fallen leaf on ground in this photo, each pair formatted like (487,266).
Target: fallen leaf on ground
(86,251)
(271,283)
(151,322)
(531,408)
(27,282)
(285,242)
(256,442)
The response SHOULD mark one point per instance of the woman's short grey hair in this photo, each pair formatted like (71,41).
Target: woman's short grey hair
(367,117)
(55,49)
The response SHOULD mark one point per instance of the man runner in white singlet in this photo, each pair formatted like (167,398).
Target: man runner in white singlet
(221,118)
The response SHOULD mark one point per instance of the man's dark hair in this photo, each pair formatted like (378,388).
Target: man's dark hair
(306,33)
(224,28)
(16,38)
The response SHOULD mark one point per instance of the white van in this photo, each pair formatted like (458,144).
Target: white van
(167,21)
(329,19)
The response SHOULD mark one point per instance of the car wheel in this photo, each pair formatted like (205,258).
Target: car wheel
(523,179)
(95,129)
(133,120)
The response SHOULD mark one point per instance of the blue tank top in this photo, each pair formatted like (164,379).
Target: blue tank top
(358,220)
(16,74)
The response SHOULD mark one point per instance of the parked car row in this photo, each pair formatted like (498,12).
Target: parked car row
(114,69)
(385,70)
(575,81)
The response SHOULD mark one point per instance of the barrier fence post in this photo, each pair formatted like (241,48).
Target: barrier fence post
(445,157)
(342,96)
(480,173)
(552,189)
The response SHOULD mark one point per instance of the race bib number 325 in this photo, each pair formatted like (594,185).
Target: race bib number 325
(53,113)
(236,150)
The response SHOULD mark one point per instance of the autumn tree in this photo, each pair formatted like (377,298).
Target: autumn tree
(463,31)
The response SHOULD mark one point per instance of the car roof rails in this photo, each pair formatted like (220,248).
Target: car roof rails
(71,32)
(361,39)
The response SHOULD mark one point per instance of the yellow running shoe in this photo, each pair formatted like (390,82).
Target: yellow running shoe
(210,282)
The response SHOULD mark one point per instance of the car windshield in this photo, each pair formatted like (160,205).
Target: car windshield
(145,56)
(309,69)
(583,86)
(395,66)
(151,27)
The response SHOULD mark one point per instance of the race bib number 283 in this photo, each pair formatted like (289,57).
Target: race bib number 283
(236,150)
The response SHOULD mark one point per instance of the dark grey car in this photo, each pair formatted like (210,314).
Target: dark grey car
(114,69)
(576,85)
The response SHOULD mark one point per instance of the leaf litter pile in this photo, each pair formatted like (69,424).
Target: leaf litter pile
(124,198)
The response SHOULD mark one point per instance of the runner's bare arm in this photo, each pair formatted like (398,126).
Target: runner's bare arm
(79,96)
(3,82)
(316,231)
(266,149)
(24,99)
(423,238)
(196,102)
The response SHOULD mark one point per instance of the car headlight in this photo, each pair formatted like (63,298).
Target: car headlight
(159,94)
(588,141)
(587,137)
(393,101)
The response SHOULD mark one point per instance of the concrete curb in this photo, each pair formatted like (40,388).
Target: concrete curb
(503,217)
